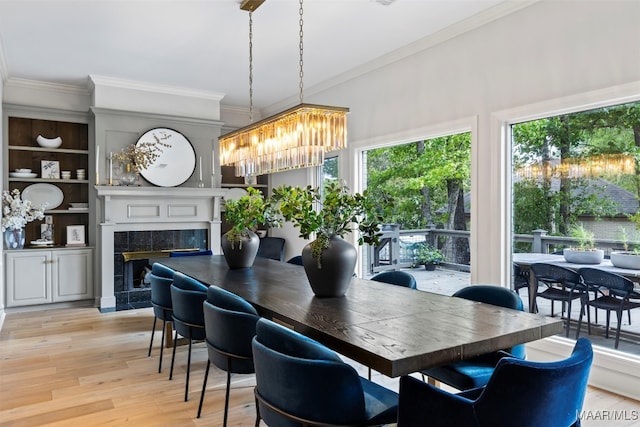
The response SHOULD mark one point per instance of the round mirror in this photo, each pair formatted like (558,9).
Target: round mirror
(177,161)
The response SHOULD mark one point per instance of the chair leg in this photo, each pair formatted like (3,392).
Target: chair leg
(258,417)
(619,315)
(153,331)
(173,357)
(568,316)
(226,396)
(369,377)
(164,324)
(204,387)
(606,331)
(580,321)
(186,385)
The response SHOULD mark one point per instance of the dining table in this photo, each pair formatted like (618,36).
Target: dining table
(525,260)
(391,329)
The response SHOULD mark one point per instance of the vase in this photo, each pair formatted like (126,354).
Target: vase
(575,256)
(14,238)
(332,276)
(628,260)
(240,255)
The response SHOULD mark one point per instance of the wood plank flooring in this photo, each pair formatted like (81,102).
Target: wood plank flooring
(78,367)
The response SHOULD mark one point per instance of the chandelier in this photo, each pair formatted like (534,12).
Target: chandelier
(295,138)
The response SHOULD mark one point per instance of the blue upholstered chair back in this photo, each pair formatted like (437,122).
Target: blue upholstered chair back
(187,296)
(297,260)
(519,393)
(304,378)
(162,270)
(399,278)
(272,247)
(190,253)
(495,295)
(230,325)
(161,296)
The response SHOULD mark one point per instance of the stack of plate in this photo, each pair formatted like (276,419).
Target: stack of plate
(23,173)
(41,242)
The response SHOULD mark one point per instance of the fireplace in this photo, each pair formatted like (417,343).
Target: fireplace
(149,219)
(132,250)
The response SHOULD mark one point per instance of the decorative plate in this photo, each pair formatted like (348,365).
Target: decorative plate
(43,195)
(176,163)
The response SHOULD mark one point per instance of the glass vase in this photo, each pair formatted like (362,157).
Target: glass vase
(14,239)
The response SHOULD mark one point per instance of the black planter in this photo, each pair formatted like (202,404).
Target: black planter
(333,276)
(240,258)
(430,267)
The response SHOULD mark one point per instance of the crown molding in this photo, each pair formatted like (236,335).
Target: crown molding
(96,80)
(19,83)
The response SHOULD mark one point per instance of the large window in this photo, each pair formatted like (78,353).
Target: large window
(577,176)
(429,181)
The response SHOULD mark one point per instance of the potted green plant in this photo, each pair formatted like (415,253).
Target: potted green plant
(240,244)
(329,215)
(629,257)
(428,256)
(585,252)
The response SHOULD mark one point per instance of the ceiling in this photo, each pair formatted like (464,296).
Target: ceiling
(204,44)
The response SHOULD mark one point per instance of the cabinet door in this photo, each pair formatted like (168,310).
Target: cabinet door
(28,277)
(71,272)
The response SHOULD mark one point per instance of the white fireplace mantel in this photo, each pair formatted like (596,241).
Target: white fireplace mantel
(151,208)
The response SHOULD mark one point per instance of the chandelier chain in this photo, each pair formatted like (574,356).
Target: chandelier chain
(301,50)
(250,67)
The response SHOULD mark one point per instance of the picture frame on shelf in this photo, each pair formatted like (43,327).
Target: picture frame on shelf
(50,169)
(46,229)
(75,235)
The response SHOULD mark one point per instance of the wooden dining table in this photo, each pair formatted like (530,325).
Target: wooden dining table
(525,260)
(391,329)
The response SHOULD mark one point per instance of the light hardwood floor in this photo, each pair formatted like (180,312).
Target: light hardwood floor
(78,367)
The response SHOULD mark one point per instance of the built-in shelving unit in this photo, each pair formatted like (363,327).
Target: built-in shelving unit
(24,152)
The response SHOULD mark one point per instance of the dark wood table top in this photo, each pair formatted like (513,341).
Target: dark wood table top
(392,329)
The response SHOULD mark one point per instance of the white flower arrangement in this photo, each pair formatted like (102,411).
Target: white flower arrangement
(142,155)
(16,213)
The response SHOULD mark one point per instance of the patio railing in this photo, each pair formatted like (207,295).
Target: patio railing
(397,247)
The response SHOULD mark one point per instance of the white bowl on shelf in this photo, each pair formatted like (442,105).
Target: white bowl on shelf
(49,142)
(23,170)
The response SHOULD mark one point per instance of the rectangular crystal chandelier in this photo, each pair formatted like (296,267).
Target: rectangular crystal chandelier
(295,138)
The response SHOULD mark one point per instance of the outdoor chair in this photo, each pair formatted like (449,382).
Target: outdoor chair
(520,279)
(519,393)
(560,284)
(612,292)
(272,248)
(230,325)
(398,278)
(300,381)
(187,296)
(161,302)
(475,372)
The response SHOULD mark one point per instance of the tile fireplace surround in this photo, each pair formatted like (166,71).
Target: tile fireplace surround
(150,208)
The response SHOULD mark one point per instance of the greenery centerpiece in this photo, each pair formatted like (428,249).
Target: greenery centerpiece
(629,257)
(16,213)
(329,215)
(585,252)
(240,244)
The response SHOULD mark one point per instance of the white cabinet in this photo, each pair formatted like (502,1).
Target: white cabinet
(41,276)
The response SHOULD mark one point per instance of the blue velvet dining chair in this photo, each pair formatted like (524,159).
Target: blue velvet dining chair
(230,325)
(187,297)
(398,278)
(161,279)
(272,248)
(475,372)
(301,382)
(520,393)
(612,292)
(296,260)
